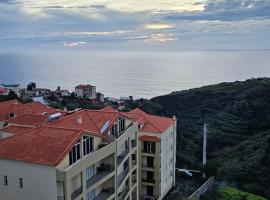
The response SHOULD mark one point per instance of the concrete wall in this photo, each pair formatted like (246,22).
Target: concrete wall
(39,181)
(167,160)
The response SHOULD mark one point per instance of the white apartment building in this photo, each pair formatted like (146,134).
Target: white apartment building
(88,155)
(87,91)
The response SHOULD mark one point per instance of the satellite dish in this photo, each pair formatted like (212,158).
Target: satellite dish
(105,126)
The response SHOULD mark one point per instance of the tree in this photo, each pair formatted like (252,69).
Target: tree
(31,86)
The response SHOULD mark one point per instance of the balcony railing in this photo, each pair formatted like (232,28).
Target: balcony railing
(122,176)
(151,166)
(148,180)
(104,194)
(60,198)
(134,195)
(150,151)
(146,197)
(102,172)
(122,156)
(122,195)
(76,193)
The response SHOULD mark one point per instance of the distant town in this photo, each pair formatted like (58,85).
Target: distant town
(83,96)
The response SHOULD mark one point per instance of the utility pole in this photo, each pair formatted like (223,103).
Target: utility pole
(204,148)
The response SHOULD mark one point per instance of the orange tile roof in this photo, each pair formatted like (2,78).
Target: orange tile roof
(150,123)
(149,138)
(14,129)
(44,145)
(108,108)
(29,120)
(92,120)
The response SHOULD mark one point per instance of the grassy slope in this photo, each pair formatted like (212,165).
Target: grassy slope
(231,194)
(238,116)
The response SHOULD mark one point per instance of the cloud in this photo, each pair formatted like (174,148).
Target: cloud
(73,44)
(227,10)
(156,26)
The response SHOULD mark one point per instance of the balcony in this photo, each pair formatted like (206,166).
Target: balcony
(149,180)
(122,195)
(146,197)
(122,176)
(104,194)
(134,195)
(133,143)
(122,156)
(149,166)
(76,193)
(149,151)
(102,171)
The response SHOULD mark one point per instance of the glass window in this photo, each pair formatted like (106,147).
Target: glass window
(5,180)
(90,171)
(21,182)
(121,125)
(90,195)
(114,129)
(75,153)
(87,145)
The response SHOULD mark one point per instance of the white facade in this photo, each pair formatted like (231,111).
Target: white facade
(39,181)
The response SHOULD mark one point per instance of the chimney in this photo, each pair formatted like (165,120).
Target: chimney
(79,119)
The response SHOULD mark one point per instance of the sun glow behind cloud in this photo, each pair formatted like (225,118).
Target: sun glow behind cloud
(85,23)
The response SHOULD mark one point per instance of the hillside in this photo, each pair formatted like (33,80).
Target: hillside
(238,116)
(230,194)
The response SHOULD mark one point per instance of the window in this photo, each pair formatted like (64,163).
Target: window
(149,147)
(5,180)
(121,125)
(114,129)
(20,182)
(90,171)
(87,145)
(90,195)
(75,153)
(150,190)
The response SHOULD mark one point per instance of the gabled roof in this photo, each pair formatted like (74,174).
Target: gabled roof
(18,108)
(150,123)
(44,145)
(15,129)
(109,108)
(29,120)
(91,120)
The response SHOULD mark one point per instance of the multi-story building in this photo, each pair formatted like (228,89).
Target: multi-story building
(86,155)
(157,154)
(87,91)
(12,87)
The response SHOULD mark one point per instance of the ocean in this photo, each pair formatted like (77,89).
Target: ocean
(139,74)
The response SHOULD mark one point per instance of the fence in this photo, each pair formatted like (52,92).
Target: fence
(206,186)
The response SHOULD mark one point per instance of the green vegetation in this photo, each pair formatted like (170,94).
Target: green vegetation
(238,118)
(230,194)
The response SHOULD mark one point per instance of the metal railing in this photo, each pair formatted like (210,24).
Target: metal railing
(104,194)
(101,173)
(206,186)
(122,156)
(122,195)
(147,180)
(122,176)
(76,193)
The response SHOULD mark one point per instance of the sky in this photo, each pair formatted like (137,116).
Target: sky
(134,24)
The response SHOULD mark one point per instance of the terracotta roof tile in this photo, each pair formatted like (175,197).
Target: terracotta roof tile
(15,129)
(29,120)
(45,145)
(149,138)
(151,123)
